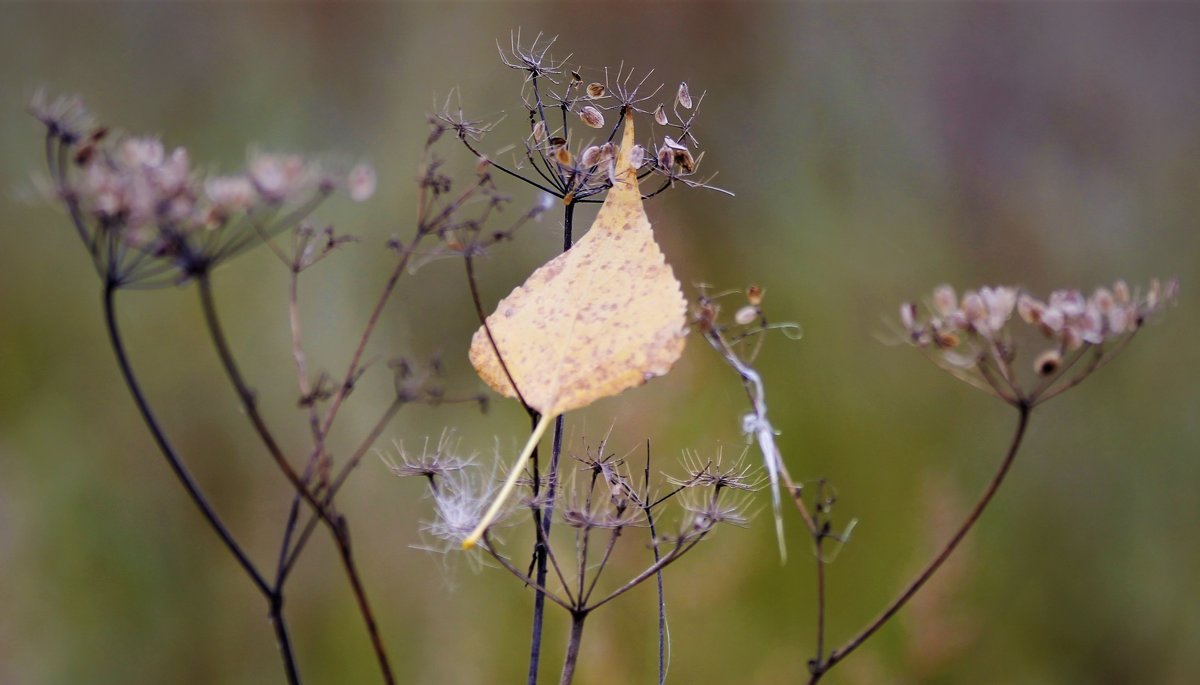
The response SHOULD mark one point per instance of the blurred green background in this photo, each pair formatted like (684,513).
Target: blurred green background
(876,151)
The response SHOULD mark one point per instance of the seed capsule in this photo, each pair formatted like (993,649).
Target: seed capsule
(596,90)
(592,117)
(683,98)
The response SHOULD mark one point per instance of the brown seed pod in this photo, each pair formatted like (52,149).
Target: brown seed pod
(592,117)
(596,90)
(754,294)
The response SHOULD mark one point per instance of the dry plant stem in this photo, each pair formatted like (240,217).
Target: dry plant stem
(245,394)
(336,524)
(662,605)
(542,520)
(820,601)
(274,595)
(573,642)
(837,655)
(372,321)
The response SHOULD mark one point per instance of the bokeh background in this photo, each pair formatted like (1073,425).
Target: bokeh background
(876,151)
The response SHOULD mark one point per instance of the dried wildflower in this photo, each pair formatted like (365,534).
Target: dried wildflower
(64,117)
(591,117)
(433,464)
(737,475)
(134,192)
(279,177)
(683,98)
(230,194)
(973,338)
(709,510)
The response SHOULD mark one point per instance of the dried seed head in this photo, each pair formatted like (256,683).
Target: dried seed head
(746,315)
(660,115)
(575,77)
(591,116)
(539,132)
(1048,362)
(683,98)
(596,90)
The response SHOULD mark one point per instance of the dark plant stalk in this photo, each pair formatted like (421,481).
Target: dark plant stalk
(246,395)
(539,600)
(837,655)
(335,523)
(273,595)
(573,642)
(820,601)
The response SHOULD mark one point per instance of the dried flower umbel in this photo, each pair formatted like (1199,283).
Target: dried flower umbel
(148,218)
(599,504)
(975,337)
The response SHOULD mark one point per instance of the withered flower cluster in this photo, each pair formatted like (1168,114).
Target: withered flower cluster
(565,160)
(149,217)
(974,337)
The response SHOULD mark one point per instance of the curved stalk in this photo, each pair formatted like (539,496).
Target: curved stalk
(837,655)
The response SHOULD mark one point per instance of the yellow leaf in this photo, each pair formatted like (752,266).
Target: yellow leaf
(603,317)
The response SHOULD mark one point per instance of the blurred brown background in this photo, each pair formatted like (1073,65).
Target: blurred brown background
(876,151)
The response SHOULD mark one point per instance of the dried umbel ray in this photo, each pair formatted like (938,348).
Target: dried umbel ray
(601,318)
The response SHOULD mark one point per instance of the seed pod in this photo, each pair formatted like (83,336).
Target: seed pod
(596,90)
(591,116)
(687,164)
(666,158)
(539,132)
(668,141)
(562,155)
(660,115)
(636,156)
(746,315)
(754,294)
(590,156)
(683,98)
(575,77)
(1048,362)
